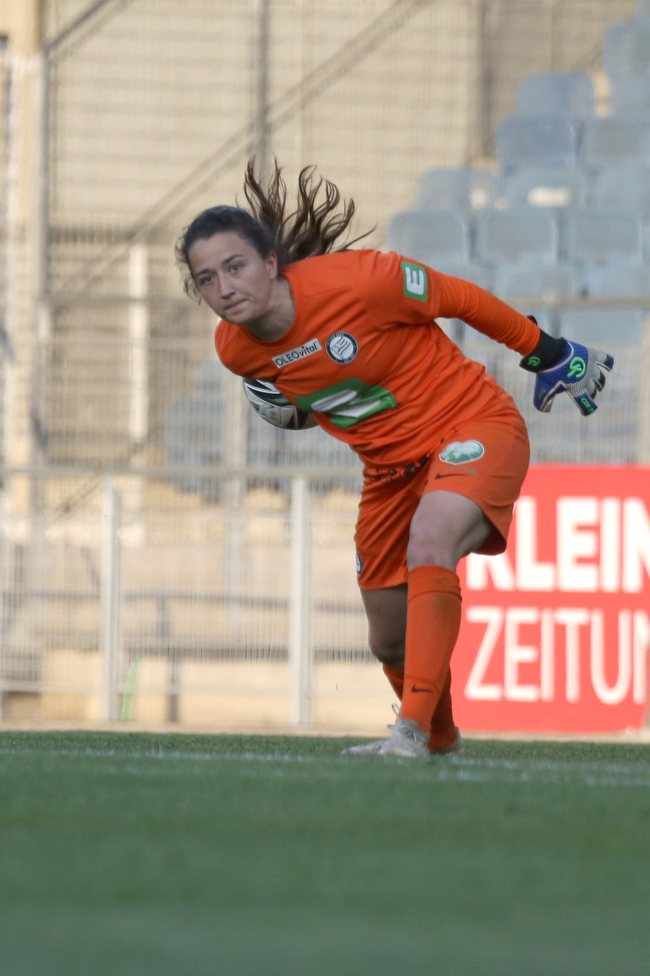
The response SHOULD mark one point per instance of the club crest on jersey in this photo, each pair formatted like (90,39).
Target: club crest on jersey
(293,355)
(415,281)
(342,347)
(461,452)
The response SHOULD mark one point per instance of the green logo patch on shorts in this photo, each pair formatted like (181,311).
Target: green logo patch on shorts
(460,452)
(416,282)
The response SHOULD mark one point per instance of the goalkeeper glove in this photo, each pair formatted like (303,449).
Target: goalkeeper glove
(562,365)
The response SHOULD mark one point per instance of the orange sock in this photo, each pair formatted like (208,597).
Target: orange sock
(396,679)
(432,625)
(443,727)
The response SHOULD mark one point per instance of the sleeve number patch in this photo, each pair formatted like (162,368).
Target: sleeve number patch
(349,402)
(415,281)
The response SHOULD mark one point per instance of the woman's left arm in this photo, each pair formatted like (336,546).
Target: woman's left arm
(459,299)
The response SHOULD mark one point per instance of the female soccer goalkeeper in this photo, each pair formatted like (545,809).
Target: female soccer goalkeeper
(351,335)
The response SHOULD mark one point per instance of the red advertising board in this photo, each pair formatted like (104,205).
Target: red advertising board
(556,631)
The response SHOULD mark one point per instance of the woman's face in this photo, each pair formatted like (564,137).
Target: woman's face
(231,277)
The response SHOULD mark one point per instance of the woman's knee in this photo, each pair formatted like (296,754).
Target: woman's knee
(430,548)
(386,612)
(388,650)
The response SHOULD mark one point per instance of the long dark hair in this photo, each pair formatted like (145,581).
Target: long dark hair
(313,228)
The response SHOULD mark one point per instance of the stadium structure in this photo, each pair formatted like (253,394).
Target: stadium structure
(164,555)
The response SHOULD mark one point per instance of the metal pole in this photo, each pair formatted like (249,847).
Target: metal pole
(138,278)
(261,70)
(110,600)
(9,231)
(40,234)
(484,81)
(236,412)
(643,405)
(300,651)
(139,343)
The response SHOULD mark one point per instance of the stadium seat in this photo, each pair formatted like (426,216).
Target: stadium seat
(269,446)
(192,438)
(542,186)
(209,378)
(642,10)
(626,48)
(523,234)
(603,235)
(629,95)
(430,236)
(549,281)
(603,328)
(462,188)
(476,273)
(615,280)
(570,94)
(520,286)
(626,186)
(616,140)
(528,140)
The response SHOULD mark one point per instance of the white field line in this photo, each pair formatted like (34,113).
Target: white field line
(449,769)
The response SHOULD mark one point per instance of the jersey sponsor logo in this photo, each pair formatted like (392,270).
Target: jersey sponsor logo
(460,452)
(293,355)
(415,281)
(342,347)
(349,402)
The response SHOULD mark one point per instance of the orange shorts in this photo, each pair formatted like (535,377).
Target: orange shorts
(485,460)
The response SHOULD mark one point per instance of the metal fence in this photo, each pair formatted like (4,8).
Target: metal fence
(157,613)
(136,115)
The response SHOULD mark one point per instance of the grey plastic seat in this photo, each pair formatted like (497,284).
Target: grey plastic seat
(603,235)
(479,274)
(461,188)
(430,236)
(616,140)
(549,281)
(208,381)
(269,446)
(542,186)
(626,186)
(570,94)
(193,438)
(521,234)
(521,286)
(528,140)
(603,328)
(626,48)
(616,280)
(642,11)
(629,95)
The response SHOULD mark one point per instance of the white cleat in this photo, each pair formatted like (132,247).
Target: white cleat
(371,748)
(457,748)
(407,741)
(367,749)
(375,748)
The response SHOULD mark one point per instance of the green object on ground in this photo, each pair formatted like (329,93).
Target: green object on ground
(127,854)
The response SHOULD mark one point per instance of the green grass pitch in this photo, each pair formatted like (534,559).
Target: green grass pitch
(127,854)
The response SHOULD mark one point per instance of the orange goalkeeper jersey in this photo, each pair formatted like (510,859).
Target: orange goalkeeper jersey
(365,354)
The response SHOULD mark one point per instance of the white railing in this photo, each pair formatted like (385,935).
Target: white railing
(118,606)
